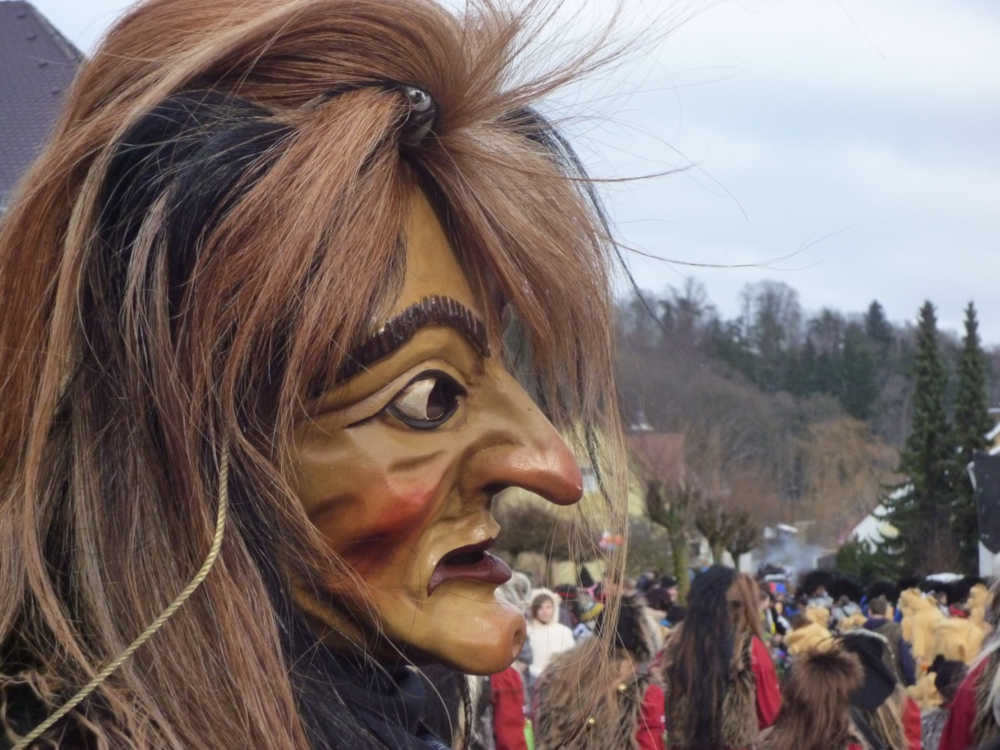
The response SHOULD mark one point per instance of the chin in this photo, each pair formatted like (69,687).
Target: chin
(464,626)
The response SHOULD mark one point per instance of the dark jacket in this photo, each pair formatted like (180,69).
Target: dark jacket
(901,652)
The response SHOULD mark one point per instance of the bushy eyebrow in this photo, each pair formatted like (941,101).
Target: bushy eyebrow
(430,311)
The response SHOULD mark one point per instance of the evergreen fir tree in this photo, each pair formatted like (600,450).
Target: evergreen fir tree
(857,372)
(877,327)
(921,507)
(972,423)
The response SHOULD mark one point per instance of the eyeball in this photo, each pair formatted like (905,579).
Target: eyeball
(428,401)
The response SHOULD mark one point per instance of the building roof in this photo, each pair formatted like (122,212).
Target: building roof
(37,65)
(659,454)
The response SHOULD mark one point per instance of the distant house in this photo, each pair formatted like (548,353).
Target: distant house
(874,529)
(37,64)
(985,473)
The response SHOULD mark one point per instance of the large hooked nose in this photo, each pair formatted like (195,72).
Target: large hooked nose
(520,448)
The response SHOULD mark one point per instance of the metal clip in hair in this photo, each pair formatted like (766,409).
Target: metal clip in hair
(421,117)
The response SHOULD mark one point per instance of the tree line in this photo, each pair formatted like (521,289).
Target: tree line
(816,411)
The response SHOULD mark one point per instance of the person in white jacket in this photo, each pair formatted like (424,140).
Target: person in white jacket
(546,634)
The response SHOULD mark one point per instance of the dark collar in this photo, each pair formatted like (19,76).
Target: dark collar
(385,705)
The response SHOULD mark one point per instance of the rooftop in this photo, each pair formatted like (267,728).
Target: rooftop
(37,64)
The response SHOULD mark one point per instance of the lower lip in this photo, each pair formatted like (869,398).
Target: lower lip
(490,569)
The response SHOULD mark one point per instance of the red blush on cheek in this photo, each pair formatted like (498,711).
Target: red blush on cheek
(398,517)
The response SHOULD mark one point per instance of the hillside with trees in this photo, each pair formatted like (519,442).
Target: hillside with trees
(798,415)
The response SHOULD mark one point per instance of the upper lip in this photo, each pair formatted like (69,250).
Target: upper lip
(477,547)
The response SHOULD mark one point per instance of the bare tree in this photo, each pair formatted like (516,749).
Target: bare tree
(712,520)
(672,506)
(747,532)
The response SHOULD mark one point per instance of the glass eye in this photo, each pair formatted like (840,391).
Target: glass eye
(428,401)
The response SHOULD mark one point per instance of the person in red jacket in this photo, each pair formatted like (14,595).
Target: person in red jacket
(652,725)
(721,686)
(507,700)
(972,716)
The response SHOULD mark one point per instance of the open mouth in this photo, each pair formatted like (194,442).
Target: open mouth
(471,562)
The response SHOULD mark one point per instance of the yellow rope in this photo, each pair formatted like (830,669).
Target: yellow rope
(166,614)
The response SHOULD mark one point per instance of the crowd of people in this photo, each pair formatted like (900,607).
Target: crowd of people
(751,663)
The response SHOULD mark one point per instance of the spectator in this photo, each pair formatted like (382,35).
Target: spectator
(880,621)
(547,636)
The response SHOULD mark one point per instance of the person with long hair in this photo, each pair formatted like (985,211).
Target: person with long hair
(295,288)
(816,703)
(721,686)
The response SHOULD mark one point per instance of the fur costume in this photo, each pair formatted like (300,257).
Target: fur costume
(918,628)
(739,706)
(877,706)
(811,637)
(925,693)
(852,622)
(957,638)
(979,602)
(595,717)
(819,615)
(815,713)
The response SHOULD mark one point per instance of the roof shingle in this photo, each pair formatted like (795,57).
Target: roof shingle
(37,65)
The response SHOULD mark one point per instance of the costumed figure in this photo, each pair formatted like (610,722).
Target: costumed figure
(947,675)
(585,610)
(623,712)
(720,683)
(813,588)
(816,703)
(921,615)
(806,635)
(884,716)
(294,290)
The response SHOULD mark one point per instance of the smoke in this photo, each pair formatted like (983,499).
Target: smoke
(791,553)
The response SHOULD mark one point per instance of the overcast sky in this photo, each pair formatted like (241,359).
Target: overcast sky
(861,132)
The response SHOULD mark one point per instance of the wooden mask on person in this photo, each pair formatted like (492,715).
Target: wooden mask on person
(398,464)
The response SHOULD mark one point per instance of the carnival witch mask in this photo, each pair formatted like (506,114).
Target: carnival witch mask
(398,464)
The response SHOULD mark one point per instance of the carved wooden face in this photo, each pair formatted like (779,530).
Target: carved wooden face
(399,463)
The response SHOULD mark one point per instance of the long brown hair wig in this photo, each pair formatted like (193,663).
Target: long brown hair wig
(706,653)
(215,220)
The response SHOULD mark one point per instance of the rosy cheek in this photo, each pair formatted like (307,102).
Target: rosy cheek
(389,518)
